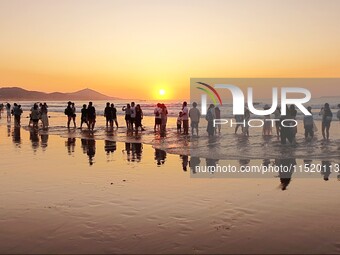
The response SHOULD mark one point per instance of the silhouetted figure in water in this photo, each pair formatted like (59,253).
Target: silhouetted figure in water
(91,116)
(185,161)
(326,169)
(69,113)
(160,157)
(210,117)
(287,169)
(83,117)
(286,132)
(327,116)
(308,124)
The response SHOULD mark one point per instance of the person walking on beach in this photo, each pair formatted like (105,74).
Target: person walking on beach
(179,123)
(210,118)
(185,118)
(91,116)
(35,116)
(338,114)
(139,117)
(133,115)
(218,116)
(8,109)
(164,117)
(195,116)
(83,117)
(127,110)
(17,111)
(327,116)
(158,117)
(114,115)
(308,123)
(108,115)
(69,113)
(43,115)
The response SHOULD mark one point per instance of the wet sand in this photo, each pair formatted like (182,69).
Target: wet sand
(68,195)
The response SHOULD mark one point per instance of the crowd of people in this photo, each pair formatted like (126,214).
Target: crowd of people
(134,116)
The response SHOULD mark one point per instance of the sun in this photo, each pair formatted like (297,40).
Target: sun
(162,92)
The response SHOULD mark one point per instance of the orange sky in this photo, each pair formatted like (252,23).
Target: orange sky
(132,49)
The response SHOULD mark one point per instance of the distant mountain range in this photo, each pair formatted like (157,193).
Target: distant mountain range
(15,93)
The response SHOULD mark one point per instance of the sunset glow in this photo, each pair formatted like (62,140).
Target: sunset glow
(121,48)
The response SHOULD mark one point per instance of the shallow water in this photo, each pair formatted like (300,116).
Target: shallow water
(72,195)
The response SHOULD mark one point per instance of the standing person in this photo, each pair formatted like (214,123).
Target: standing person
(138,118)
(17,111)
(44,116)
(91,116)
(179,123)
(127,110)
(338,114)
(108,115)
(327,116)
(246,118)
(8,109)
(84,117)
(239,119)
(218,116)
(267,126)
(69,113)
(158,117)
(210,118)
(114,115)
(73,114)
(35,115)
(185,118)
(164,117)
(195,116)
(277,116)
(133,115)
(308,124)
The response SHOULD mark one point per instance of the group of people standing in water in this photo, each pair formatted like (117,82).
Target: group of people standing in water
(134,116)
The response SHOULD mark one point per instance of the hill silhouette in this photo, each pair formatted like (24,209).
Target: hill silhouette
(16,93)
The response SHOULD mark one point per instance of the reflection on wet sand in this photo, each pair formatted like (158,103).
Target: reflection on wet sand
(133,152)
(110,146)
(16,135)
(284,175)
(185,161)
(70,144)
(34,137)
(160,157)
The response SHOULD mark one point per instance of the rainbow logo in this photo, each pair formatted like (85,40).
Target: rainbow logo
(211,92)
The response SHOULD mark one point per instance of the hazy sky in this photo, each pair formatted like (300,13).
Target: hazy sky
(134,48)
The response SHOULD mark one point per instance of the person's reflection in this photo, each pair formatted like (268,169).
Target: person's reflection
(194,161)
(137,148)
(91,150)
(84,145)
(34,138)
(307,162)
(110,146)
(17,135)
(211,163)
(266,162)
(44,141)
(9,129)
(185,162)
(70,144)
(133,151)
(244,162)
(286,170)
(160,157)
(326,169)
